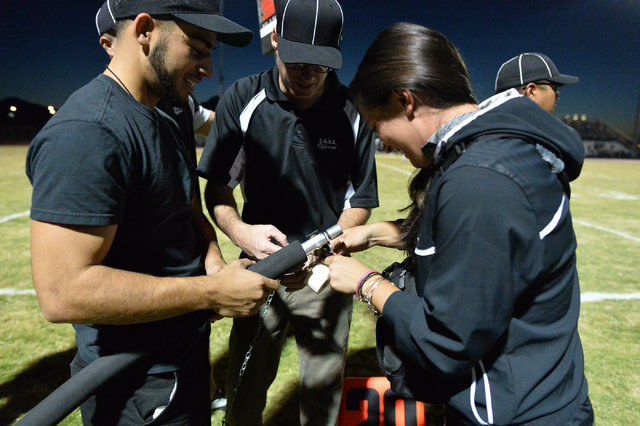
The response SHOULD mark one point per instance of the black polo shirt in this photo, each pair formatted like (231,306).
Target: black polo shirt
(299,169)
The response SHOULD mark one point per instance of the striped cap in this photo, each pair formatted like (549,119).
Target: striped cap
(309,32)
(528,67)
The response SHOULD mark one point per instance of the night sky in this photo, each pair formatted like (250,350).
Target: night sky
(50,48)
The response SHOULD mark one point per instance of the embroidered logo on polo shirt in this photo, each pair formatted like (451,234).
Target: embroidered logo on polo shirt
(327,144)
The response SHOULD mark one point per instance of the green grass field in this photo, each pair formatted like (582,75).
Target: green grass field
(34,355)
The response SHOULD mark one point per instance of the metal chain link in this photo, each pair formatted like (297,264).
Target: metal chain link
(247,356)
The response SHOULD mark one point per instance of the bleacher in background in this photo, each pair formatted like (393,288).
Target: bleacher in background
(600,140)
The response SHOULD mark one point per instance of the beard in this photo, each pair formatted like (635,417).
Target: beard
(167,87)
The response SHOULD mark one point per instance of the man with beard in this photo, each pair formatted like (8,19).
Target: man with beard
(195,115)
(202,117)
(120,246)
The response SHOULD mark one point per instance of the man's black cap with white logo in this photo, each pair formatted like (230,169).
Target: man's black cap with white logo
(309,32)
(528,67)
(201,13)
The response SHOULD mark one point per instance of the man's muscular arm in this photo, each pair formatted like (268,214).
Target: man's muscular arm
(73,286)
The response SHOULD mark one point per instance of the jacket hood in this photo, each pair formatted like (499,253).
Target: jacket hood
(509,113)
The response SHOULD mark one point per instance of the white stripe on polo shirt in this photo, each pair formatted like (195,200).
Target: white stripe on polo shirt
(247,112)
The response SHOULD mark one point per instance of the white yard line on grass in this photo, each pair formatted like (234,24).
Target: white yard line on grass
(615,195)
(397,169)
(596,296)
(14,216)
(612,231)
(15,292)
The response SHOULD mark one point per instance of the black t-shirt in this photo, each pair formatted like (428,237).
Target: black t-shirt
(299,169)
(105,159)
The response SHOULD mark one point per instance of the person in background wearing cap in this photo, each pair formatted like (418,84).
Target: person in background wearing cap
(306,161)
(535,76)
(201,120)
(120,246)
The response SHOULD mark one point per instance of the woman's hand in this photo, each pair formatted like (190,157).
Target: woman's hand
(353,240)
(345,272)
(359,238)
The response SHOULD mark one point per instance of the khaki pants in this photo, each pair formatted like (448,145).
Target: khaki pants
(320,324)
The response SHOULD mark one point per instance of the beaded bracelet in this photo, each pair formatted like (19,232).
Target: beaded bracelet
(362,280)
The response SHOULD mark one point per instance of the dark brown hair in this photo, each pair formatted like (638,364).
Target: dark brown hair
(411,57)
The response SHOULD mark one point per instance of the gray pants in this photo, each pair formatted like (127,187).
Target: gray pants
(320,324)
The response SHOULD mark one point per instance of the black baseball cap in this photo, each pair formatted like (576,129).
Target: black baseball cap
(309,32)
(201,13)
(104,21)
(528,67)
